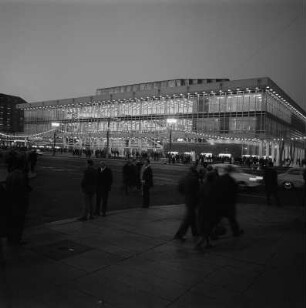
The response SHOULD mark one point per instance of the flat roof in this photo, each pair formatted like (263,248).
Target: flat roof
(224,86)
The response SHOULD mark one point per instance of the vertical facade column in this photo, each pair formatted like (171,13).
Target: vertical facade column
(139,144)
(277,155)
(295,156)
(260,150)
(267,145)
(286,151)
(272,151)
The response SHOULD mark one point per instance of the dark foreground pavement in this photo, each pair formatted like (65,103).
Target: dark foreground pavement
(129,259)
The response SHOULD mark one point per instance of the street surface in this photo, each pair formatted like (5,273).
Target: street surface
(57,195)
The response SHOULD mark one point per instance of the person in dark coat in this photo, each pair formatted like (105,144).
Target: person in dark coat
(104,184)
(139,165)
(206,213)
(147,183)
(225,193)
(32,160)
(89,187)
(17,189)
(271,184)
(128,172)
(189,187)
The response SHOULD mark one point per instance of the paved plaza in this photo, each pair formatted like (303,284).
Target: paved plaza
(129,259)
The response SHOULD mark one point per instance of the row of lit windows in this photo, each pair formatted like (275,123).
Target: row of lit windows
(212,104)
(155,85)
(200,125)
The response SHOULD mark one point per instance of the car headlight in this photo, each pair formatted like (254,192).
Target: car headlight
(256,179)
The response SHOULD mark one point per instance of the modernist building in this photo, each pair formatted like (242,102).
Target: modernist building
(11,118)
(249,116)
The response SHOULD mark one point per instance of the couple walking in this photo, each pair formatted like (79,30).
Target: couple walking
(96,185)
(208,204)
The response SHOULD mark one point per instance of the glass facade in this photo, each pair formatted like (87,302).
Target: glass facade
(248,114)
(204,109)
(195,113)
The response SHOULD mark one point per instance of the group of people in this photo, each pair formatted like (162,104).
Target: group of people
(131,172)
(97,182)
(207,204)
(96,185)
(28,158)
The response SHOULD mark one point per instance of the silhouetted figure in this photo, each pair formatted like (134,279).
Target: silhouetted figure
(128,172)
(139,165)
(32,160)
(189,187)
(202,174)
(207,214)
(147,183)
(17,187)
(11,159)
(225,192)
(271,184)
(104,184)
(89,187)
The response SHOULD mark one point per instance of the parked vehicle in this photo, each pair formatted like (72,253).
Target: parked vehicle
(39,152)
(292,178)
(244,180)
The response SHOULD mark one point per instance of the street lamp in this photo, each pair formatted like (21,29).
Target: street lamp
(55,125)
(107,138)
(171,122)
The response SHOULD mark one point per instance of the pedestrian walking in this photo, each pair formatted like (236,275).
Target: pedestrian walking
(32,160)
(104,184)
(225,193)
(206,212)
(189,187)
(139,165)
(147,183)
(17,194)
(271,184)
(89,187)
(128,173)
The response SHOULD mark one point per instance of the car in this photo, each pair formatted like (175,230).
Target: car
(39,152)
(292,178)
(244,180)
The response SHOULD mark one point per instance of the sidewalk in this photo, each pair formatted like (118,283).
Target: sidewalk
(129,259)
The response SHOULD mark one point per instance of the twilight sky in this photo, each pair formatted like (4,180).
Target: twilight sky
(53,49)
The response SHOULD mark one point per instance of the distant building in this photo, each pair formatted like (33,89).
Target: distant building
(11,118)
(239,117)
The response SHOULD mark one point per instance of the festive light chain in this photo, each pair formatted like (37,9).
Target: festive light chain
(188,133)
(28,136)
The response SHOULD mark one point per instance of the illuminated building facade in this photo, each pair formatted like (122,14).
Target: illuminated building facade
(249,116)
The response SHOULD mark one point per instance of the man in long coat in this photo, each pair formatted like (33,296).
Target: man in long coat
(189,187)
(147,183)
(225,193)
(89,186)
(271,184)
(17,188)
(104,184)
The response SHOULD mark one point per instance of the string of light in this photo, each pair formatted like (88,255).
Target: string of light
(27,136)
